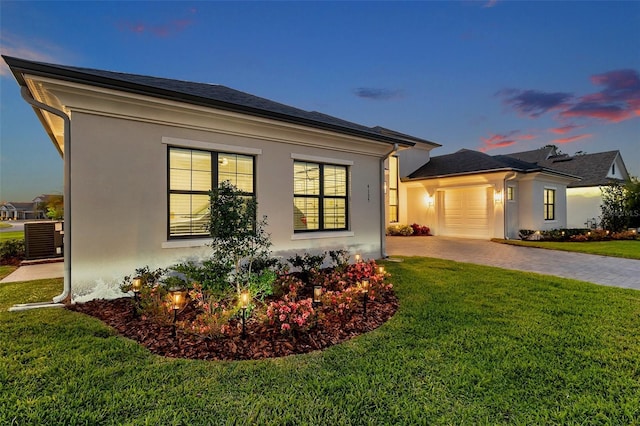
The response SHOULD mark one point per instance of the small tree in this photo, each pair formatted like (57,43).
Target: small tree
(614,213)
(632,188)
(55,207)
(239,239)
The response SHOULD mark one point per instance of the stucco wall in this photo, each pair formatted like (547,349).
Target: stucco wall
(531,203)
(583,204)
(119,198)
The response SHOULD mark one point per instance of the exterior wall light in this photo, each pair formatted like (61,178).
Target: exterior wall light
(497,197)
(428,200)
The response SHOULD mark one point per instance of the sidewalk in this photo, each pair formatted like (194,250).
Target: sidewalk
(35,272)
(604,270)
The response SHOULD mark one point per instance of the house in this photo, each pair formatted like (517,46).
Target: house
(141,153)
(16,211)
(584,197)
(474,195)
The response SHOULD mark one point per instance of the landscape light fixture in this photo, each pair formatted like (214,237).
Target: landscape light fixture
(244,304)
(381,270)
(365,290)
(317,294)
(358,258)
(178,301)
(136,287)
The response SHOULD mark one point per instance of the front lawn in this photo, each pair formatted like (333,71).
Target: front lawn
(469,344)
(618,248)
(11,235)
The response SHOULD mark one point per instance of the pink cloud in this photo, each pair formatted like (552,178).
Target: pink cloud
(497,140)
(564,129)
(572,138)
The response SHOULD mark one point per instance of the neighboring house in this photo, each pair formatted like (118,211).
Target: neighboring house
(474,195)
(141,153)
(584,197)
(17,211)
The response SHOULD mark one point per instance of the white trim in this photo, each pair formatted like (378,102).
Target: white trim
(326,160)
(201,242)
(318,235)
(210,146)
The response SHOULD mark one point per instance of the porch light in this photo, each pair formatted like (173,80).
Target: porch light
(244,304)
(428,200)
(497,197)
(178,301)
(317,294)
(365,290)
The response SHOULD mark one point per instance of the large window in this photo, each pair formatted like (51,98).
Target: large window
(549,204)
(393,189)
(319,197)
(192,174)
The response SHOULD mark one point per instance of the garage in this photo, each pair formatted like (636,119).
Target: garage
(464,212)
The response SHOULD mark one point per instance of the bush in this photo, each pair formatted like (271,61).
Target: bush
(419,230)
(11,251)
(403,230)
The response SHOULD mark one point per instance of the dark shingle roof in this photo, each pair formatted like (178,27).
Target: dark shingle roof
(535,155)
(468,161)
(211,95)
(592,168)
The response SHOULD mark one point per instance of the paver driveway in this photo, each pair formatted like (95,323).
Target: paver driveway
(611,271)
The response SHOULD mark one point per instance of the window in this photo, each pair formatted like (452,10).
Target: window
(393,189)
(192,174)
(319,197)
(613,169)
(510,193)
(549,204)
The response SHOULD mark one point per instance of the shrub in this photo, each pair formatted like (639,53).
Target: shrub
(289,315)
(11,251)
(403,230)
(419,230)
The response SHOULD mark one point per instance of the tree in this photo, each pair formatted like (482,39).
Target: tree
(632,188)
(55,207)
(239,239)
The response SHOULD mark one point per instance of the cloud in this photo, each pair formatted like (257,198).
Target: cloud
(565,129)
(619,100)
(534,103)
(497,140)
(572,138)
(378,94)
(14,46)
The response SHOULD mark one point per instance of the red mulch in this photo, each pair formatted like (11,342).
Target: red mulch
(260,341)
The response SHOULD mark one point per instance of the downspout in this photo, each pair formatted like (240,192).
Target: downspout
(505,203)
(383,204)
(66,292)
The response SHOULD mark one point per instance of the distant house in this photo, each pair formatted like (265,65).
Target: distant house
(141,153)
(16,211)
(584,197)
(474,195)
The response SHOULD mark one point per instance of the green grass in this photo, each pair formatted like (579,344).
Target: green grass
(469,345)
(6,270)
(12,235)
(5,225)
(620,248)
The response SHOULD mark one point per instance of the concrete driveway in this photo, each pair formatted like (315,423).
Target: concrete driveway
(610,271)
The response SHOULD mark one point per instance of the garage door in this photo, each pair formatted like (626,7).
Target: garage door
(464,212)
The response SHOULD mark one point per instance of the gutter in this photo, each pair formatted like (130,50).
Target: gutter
(383,217)
(505,203)
(65,296)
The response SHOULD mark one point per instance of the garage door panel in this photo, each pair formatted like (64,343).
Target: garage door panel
(465,212)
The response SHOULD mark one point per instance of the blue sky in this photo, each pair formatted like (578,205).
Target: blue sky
(496,76)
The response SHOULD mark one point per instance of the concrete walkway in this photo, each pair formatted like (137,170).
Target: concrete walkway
(35,272)
(610,271)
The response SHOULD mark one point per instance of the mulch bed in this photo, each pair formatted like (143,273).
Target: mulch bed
(260,341)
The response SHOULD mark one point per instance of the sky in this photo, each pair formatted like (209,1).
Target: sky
(490,75)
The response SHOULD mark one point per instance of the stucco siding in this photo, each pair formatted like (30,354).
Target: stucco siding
(119,198)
